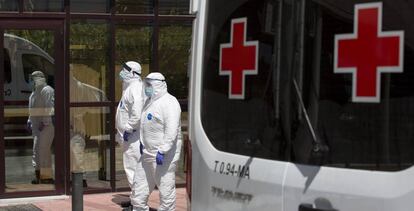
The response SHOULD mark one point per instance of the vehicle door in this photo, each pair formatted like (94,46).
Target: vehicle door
(239,148)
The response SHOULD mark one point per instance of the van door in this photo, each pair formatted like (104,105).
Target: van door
(31,157)
(353,149)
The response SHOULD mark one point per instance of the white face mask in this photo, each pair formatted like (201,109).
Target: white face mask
(149,91)
(123,75)
(39,82)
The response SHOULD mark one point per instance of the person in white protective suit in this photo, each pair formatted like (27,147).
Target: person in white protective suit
(161,138)
(128,116)
(40,122)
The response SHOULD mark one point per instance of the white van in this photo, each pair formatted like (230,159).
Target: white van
(21,58)
(302,105)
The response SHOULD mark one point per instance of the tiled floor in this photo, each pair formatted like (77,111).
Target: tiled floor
(109,201)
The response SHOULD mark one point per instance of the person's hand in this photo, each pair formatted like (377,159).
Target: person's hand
(159,158)
(29,126)
(126,135)
(41,126)
(141,148)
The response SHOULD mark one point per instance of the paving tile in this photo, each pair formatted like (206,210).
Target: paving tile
(109,202)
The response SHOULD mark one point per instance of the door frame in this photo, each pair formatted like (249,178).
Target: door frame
(58,28)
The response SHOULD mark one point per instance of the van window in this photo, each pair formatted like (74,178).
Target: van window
(292,104)
(7,67)
(33,62)
(371,136)
(253,126)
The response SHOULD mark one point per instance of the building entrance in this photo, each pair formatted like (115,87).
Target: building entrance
(31,108)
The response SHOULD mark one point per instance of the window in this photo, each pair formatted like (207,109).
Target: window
(296,102)
(174,7)
(375,136)
(8,5)
(7,67)
(90,6)
(43,5)
(258,125)
(133,43)
(173,55)
(134,6)
(33,62)
(89,61)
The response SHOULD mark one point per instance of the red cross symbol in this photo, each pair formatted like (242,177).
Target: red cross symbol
(368,52)
(238,58)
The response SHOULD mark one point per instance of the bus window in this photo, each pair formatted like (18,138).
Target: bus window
(374,136)
(256,125)
(32,62)
(7,67)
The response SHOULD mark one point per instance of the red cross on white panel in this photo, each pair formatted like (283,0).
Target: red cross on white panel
(368,52)
(238,58)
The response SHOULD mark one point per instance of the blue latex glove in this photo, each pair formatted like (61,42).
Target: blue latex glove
(160,158)
(126,135)
(29,126)
(141,148)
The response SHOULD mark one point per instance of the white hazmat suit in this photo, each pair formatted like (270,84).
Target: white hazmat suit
(41,111)
(128,117)
(160,134)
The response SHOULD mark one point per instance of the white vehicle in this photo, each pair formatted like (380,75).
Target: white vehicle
(300,105)
(21,57)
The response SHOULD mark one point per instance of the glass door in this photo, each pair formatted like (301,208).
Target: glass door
(31,107)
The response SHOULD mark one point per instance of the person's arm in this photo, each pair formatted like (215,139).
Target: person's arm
(172,114)
(29,119)
(48,94)
(135,100)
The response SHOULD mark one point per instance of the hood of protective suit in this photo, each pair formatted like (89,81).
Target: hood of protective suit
(157,82)
(39,79)
(130,72)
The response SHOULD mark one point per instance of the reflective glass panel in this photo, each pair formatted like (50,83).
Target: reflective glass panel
(90,145)
(29,110)
(134,6)
(360,134)
(133,43)
(8,5)
(258,122)
(174,7)
(89,61)
(43,5)
(90,6)
(174,52)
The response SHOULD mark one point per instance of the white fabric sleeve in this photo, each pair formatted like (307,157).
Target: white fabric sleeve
(29,119)
(172,115)
(48,95)
(134,98)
